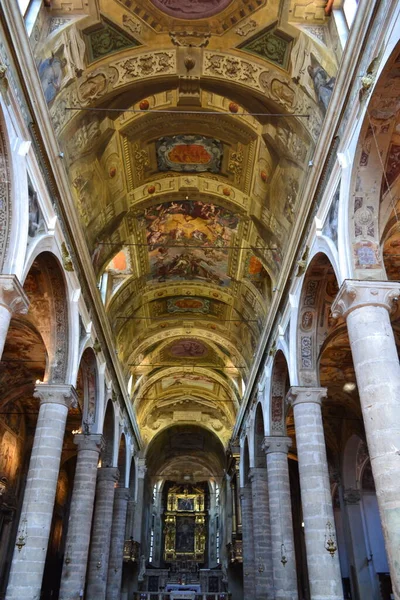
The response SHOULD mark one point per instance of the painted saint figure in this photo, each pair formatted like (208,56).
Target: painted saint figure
(51,76)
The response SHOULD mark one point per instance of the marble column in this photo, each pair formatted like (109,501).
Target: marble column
(80,516)
(280,506)
(366,306)
(262,535)
(37,509)
(249,588)
(12,301)
(323,569)
(101,533)
(115,563)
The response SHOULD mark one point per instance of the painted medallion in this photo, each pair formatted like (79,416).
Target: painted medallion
(189,154)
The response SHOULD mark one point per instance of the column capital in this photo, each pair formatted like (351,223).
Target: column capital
(258,473)
(306,395)
(122,493)
(12,295)
(141,468)
(355,294)
(56,393)
(352,496)
(92,441)
(107,474)
(276,443)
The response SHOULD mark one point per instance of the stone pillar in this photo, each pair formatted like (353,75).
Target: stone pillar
(101,533)
(40,490)
(117,544)
(366,306)
(262,535)
(249,588)
(137,521)
(80,517)
(12,301)
(367,584)
(323,569)
(280,506)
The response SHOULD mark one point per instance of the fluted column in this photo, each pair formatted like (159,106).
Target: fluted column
(280,506)
(80,516)
(366,305)
(262,535)
(12,301)
(114,581)
(101,533)
(37,509)
(323,569)
(249,588)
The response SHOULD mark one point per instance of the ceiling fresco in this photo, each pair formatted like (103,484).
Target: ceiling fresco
(187,160)
(189,240)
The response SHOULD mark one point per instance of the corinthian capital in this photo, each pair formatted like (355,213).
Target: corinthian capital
(12,295)
(306,395)
(355,294)
(58,393)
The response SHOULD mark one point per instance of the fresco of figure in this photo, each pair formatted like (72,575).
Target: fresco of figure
(51,76)
(323,84)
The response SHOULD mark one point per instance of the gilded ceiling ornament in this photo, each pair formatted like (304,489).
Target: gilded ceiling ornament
(132,25)
(247,28)
(192,39)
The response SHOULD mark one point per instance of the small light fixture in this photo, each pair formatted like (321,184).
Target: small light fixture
(349,386)
(260,565)
(99,562)
(22,535)
(330,542)
(68,556)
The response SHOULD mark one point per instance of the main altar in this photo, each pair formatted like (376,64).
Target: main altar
(185,530)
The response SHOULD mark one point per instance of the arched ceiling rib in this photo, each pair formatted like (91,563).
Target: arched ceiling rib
(187,200)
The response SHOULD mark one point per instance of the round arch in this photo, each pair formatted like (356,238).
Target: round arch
(319,290)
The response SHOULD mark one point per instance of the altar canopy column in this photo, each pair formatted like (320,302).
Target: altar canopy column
(37,509)
(114,581)
(80,516)
(249,587)
(280,506)
(323,569)
(101,533)
(13,301)
(366,306)
(262,535)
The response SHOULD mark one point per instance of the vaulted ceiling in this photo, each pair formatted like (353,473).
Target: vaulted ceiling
(187,128)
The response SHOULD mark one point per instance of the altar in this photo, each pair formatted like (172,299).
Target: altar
(182,592)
